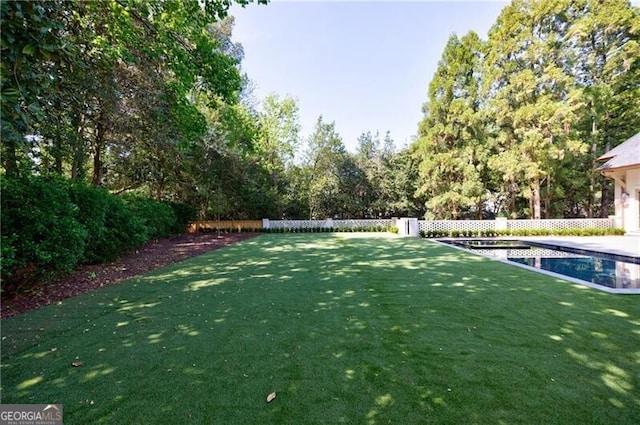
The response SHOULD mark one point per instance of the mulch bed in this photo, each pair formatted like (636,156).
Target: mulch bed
(86,278)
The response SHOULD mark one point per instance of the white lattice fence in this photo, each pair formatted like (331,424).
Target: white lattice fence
(525,253)
(361,223)
(487,225)
(297,224)
(459,225)
(329,223)
(475,226)
(560,224)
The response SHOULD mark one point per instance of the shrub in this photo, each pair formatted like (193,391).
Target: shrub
(93,207)
(8,261)
(124,231)
(50,225)
(41,234)
(111,224)
(157,217)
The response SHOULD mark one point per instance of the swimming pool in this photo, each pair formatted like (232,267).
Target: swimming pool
(611,273)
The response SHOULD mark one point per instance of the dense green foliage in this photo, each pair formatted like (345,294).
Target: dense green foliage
(514,124)
(374,182)
(111,226)
(50,225)
(41,233)
(346,329)
(126,94)
(147,97)
(453,149)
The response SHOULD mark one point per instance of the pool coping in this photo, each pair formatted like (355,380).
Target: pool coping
(607,255)
(621,291)
(613,245)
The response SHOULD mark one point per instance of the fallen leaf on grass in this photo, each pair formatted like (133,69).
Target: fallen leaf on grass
(270,397)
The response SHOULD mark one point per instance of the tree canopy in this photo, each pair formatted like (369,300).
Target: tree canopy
(513,125)
(149,98)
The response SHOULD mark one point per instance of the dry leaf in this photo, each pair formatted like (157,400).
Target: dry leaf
(77,364)
(270,397)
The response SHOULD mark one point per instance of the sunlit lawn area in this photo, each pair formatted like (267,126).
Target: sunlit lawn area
(345,328)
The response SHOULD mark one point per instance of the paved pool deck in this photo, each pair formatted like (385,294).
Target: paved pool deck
(618,245)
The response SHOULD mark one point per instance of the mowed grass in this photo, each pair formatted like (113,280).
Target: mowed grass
(345,328)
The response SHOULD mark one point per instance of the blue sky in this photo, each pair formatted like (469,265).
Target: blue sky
(364,65)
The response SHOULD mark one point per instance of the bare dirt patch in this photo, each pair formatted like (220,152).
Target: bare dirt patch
(151,256)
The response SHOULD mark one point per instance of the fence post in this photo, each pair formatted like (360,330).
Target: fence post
(502,224)
(615,222)
(265,223)
(408,227)
(414,227)
(328,224)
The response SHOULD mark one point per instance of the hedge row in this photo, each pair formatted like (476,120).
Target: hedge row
(51,225)
(519,232)
(304,229)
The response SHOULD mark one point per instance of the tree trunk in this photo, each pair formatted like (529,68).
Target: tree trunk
(479,210)
(547,199)
(535,198)
(77,162)
(58,160)
(97,154)
(455,215)
(605,199)
(57,152)
(512,199)
(592,176)
(9,158)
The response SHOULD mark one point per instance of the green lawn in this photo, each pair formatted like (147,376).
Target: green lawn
(346,328)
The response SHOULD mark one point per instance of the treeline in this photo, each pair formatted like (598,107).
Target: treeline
(148,98)
(514,124)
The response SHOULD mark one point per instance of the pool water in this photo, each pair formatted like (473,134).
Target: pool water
(602,271)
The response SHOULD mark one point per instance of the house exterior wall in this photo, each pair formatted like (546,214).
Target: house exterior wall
(628,211)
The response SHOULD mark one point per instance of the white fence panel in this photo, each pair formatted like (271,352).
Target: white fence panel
(297,224)
(361,223)
(524,253)
(328,223)
(460,225)
(560,224)
(486,225)
(451,225)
